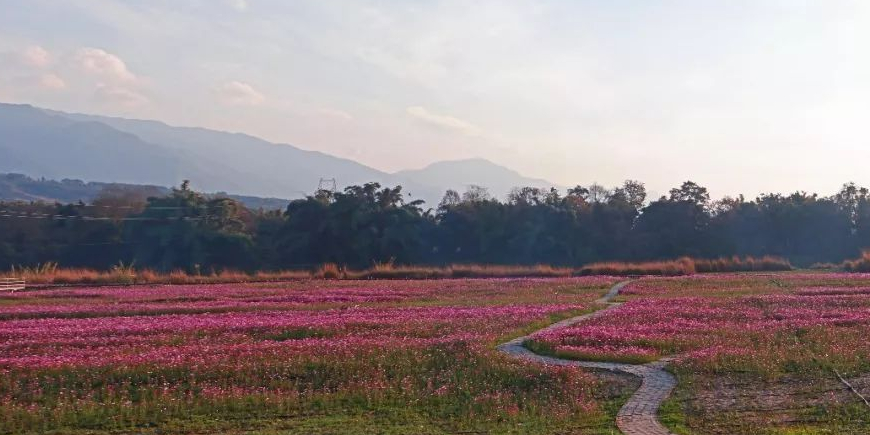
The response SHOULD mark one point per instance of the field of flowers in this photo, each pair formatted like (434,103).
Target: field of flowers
(317,357)
(754,354)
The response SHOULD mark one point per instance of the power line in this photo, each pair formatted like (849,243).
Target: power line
(124,207)
(92,218)
(145,207)
(328,185)
(55,245)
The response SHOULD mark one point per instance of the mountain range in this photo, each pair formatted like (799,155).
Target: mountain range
(47,143)
(19,187)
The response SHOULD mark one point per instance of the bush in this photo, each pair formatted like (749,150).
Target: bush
(121,274)
(688,266)
(859,265)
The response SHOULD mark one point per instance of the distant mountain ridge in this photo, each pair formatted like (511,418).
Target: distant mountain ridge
(20,187)
(52,144)
(459,174)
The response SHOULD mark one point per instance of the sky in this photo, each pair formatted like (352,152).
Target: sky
(741,96)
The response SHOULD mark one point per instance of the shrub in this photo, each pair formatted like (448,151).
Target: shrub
(121,274)
(688,266)
(328,271)
(746,264)
(859,265)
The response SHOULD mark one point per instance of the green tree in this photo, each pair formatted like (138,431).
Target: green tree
(188,231)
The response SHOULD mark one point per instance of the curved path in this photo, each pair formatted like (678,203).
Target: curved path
(639,415)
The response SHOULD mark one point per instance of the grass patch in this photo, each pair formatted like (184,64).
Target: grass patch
(673,415)
(548,350)
(52,274)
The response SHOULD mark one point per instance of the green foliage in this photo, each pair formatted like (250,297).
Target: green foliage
(360,226)
(187,231)
(370,224)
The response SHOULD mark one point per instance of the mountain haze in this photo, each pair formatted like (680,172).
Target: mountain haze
(19,187)
(46,143)
(52,146)
(459,174)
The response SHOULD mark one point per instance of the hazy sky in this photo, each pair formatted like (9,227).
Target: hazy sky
(738,95)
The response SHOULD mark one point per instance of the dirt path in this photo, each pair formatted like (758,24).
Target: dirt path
(639,415)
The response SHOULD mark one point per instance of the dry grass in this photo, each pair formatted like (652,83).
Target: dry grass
(745,264)
(688,266)
(51,274)
(858,265)
(70,276)
(389,271)
(683,266)
(825,266)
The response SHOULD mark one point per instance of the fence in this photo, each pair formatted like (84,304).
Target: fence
(12,284)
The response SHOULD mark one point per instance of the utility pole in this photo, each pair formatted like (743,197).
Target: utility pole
(327,185)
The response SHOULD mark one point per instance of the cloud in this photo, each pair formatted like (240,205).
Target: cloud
(236,93)
(239,5)
(116,85)
(51,82)
(119,95)
(105,65)
(28,70)
(35,57)
(444,121)
(335,113)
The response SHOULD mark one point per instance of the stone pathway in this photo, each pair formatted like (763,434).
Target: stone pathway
(639,415)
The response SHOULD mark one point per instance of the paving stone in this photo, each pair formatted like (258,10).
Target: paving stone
(639,415)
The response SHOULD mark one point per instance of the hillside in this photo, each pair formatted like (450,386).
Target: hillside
(18,187)
(38,143)
(58,145)
(459,174)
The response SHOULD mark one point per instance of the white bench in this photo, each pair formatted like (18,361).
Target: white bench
(12,284)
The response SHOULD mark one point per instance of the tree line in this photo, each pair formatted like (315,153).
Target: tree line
(369,224)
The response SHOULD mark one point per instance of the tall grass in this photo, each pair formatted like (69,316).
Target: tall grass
(858,265)
(688,266)
(683,266)
(129,276)
(390,271)
(745,264)
(126,274)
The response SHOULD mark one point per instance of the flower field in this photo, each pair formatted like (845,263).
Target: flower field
(752,353)
(299,357)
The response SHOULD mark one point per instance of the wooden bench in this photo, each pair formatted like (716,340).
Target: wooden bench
(12,284)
